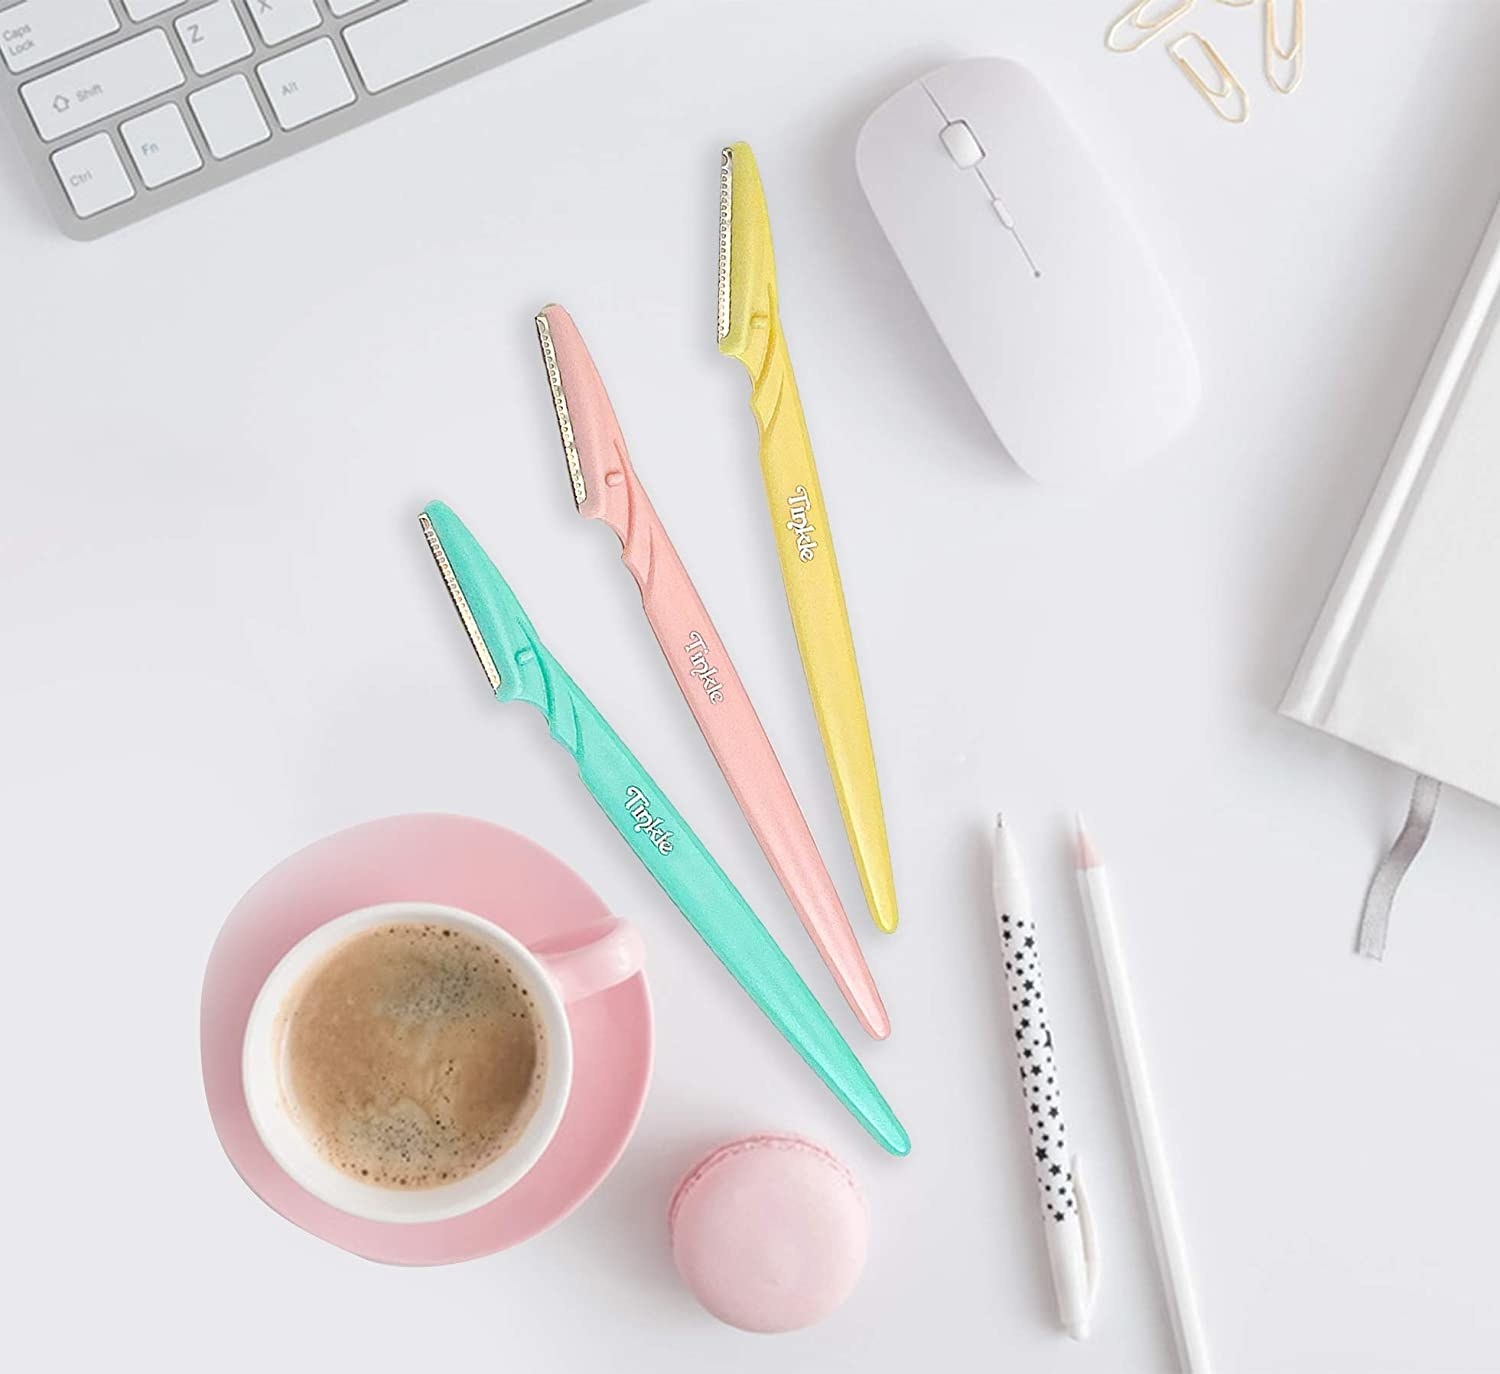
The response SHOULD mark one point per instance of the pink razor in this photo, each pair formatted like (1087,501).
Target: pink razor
(606,488)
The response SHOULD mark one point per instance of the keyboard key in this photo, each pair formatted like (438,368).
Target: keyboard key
(348,6)
(213,37)
(36,31)
(229,117)
(102,85)
(279,20)
(93,175)
(161,146)
(306,83)
(149,9)
(413,38)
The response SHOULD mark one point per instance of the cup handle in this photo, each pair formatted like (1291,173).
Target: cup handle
(616,955)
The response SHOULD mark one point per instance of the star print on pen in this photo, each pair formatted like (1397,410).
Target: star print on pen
(1034,1058)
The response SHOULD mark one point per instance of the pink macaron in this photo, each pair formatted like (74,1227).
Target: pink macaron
(769,1232)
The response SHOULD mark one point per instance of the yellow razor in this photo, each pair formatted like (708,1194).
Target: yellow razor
(750,330)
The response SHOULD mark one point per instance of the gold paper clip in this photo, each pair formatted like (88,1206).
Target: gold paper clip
(1238,4)
(1276,54)
(1226,93)
(1133,21)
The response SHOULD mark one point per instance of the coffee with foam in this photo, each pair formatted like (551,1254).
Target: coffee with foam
(413,1055)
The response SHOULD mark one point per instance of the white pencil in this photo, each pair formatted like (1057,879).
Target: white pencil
(1130,1060)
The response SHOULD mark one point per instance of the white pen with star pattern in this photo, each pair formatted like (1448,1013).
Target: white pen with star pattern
(1071,1247)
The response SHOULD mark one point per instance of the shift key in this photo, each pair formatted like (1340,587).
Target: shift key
(102,85)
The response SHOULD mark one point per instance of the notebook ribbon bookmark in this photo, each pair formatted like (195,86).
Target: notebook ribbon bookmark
(1375,921)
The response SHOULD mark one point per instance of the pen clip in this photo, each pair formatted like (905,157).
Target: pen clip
(1086,1230)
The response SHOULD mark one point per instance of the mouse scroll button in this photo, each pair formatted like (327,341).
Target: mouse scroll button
(958,138)
(1004,215)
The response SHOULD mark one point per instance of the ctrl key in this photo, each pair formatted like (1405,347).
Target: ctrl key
(93,175)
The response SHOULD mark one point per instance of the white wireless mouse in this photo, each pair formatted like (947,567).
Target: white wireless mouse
(1038,282)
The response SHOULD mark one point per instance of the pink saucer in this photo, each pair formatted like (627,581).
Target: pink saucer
(494,873)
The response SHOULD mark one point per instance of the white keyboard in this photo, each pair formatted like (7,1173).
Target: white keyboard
(124,107)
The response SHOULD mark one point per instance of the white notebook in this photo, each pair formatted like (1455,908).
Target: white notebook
(1405,659)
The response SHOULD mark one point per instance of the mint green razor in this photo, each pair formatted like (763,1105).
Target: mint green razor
(520,668)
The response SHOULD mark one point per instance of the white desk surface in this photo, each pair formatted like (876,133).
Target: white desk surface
(223,638)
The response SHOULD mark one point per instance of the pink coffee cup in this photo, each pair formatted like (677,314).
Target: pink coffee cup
(553,979)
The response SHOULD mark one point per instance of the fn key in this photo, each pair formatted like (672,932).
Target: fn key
(305,83)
